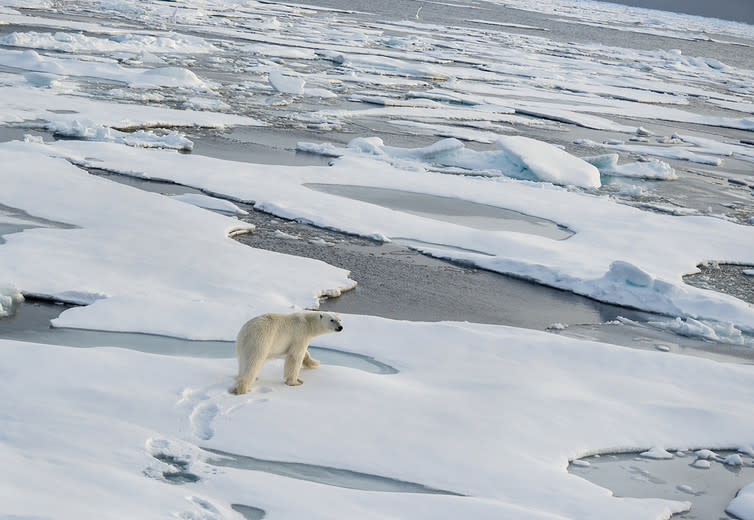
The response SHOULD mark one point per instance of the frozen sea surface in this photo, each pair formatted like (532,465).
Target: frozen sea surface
(710,485)
(625,132)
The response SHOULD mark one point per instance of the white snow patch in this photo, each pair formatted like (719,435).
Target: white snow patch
(657,453)
(653,169)
(549,163)
(742,506)
(286,84)
(712,331)
(733,460)
(85,129)
(707,455)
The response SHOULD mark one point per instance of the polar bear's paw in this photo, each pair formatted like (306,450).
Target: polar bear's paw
(242,387)
(291,382)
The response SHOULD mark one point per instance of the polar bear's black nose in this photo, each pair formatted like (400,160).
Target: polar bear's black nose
(339,328)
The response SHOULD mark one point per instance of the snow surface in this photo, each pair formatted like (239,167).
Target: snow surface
(657,452)
(134,256)
(66,428)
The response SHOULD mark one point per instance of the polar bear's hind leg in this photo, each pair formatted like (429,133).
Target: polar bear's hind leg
(249,365)
(309,361)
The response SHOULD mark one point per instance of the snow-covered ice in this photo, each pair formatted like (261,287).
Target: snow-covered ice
(486,417)
(10,298)
(599,261)
(140,253)
(657,452)
(178,405)
(742,506)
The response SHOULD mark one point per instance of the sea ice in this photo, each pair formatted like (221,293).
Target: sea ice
(733,460)
(91,441)
(85,129)
(286,84)
(600,260)
(518,157)
(96,263)
(126,42)
(742,506)
(657,453)
(654,169)
(143,429)
(549,163)
(207,202)
(140,78)
(707,455)
(10,298)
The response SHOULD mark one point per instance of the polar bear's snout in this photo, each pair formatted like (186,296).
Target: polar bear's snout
(333,319)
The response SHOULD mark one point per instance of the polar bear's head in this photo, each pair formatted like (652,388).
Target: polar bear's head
(330,321)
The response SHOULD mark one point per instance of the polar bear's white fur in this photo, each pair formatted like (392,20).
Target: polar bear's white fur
(278,335)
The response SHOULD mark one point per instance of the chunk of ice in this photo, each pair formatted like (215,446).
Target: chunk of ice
(286,84)
(657,453)
(549,163)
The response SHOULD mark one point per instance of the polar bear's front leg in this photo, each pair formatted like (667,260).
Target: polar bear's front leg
(293,364)
(309,361)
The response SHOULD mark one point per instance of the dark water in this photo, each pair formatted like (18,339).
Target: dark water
(735,10)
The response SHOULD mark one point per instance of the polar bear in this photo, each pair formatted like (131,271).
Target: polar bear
(278,335)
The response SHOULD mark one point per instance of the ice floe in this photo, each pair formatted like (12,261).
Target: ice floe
(657,452)
(742,506)
(121,255)
(654,169)
(127,42)
(84,129)
(599,261)
(149,429)
(10,298)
